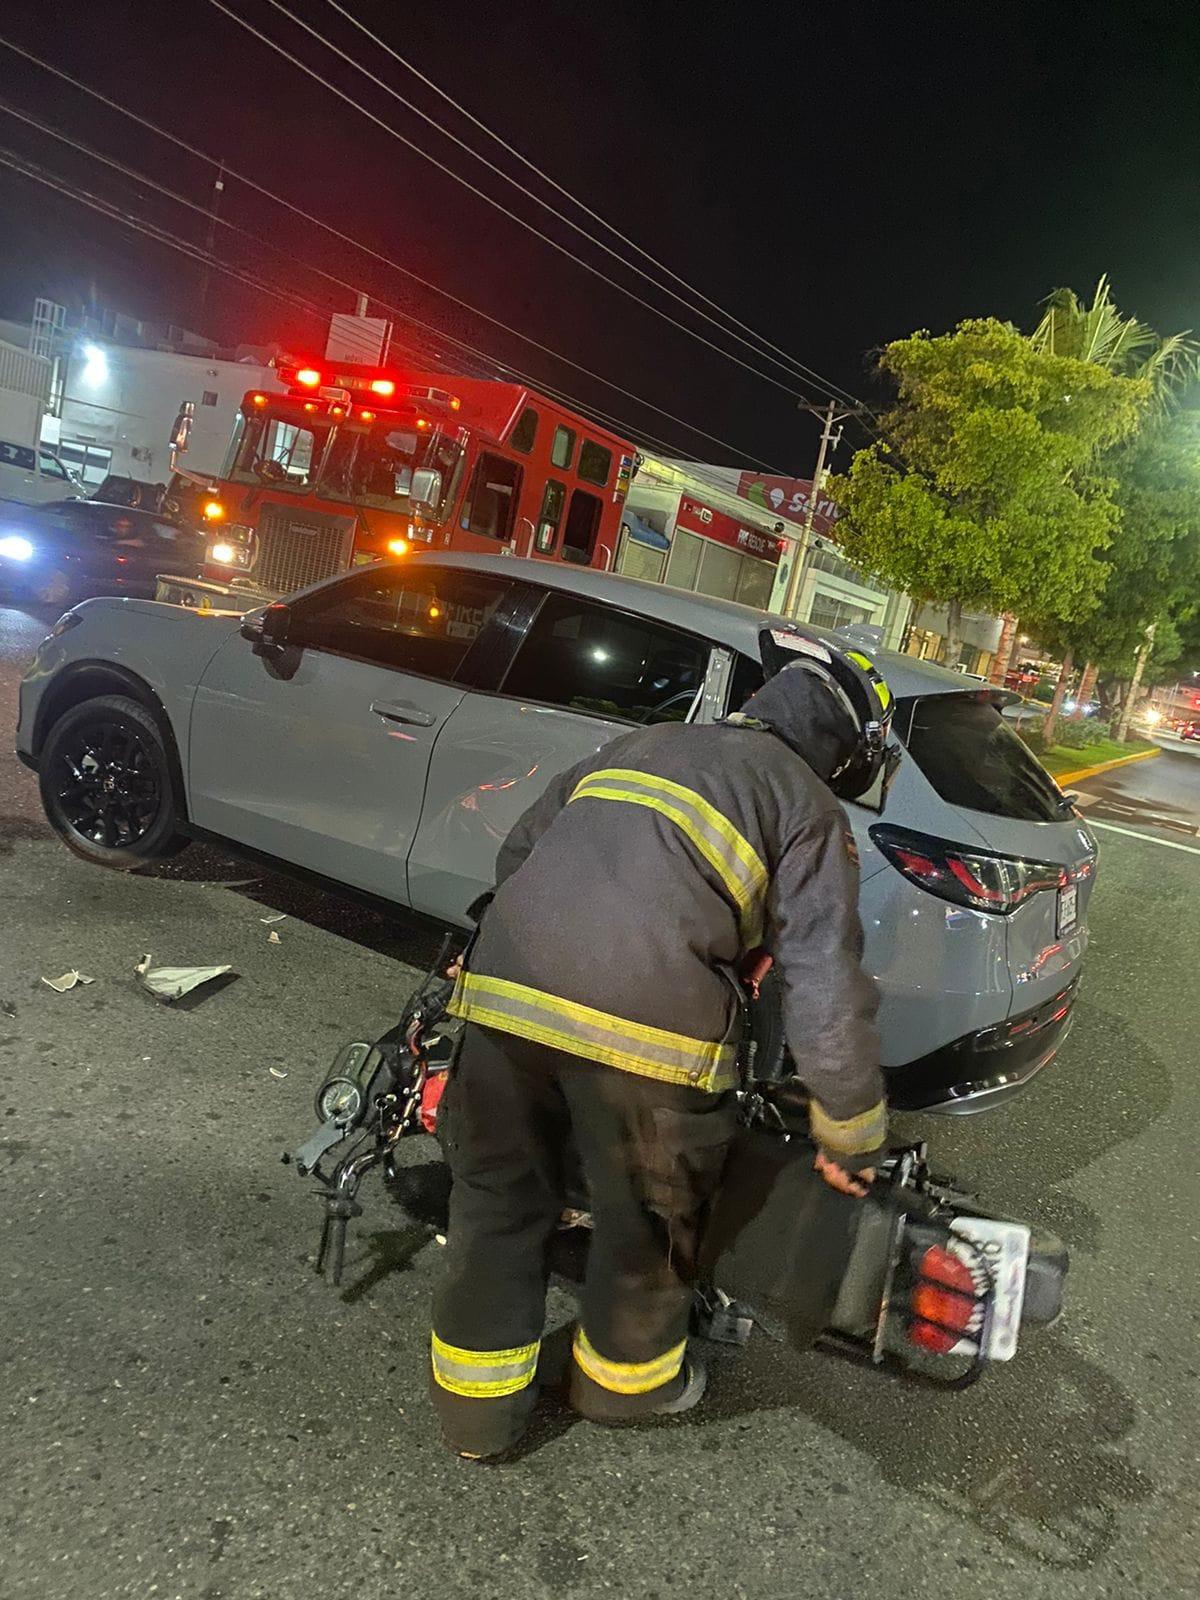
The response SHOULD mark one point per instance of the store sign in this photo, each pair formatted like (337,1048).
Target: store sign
(695,517)
(787,497)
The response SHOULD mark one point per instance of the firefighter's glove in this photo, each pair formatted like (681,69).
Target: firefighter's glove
(843,1178)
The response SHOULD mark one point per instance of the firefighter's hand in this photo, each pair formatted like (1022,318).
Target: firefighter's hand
(852,1183)
(455,967)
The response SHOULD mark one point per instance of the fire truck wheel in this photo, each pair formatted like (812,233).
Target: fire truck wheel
(107,786)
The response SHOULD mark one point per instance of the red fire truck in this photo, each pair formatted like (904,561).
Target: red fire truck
(355,464)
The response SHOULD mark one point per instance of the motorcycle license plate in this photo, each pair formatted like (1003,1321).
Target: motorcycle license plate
(1005,1248)
(1068,908)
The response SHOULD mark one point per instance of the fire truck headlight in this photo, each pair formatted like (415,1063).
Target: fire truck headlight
(225,555)
(15,548)
(214,511)
(398,547)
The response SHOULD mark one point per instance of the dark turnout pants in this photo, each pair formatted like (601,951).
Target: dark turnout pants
(651,1155)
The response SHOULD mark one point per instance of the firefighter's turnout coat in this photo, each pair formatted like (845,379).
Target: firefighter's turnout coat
(673,851)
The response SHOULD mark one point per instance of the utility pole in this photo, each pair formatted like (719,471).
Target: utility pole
(835,417)
(214,211)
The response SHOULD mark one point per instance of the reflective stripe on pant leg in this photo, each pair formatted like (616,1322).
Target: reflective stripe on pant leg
(628,1377)
(483,1374)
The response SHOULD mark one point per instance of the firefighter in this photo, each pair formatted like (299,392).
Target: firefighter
(598,1020)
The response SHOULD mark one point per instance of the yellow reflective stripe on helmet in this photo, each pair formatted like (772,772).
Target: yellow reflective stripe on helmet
(627,1377)
(483,1374)
(731,856)
(854,1136)
(878,682)
(596,1035)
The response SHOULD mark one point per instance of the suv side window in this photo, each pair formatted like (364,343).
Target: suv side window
(590,657)
(415,620)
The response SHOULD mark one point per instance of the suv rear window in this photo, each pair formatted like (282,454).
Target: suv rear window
(973,758)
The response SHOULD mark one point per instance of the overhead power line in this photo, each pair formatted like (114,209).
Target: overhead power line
(789,364)
(393,265)
(481,194)
(491,365)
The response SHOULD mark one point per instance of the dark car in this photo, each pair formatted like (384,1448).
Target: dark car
(69,549)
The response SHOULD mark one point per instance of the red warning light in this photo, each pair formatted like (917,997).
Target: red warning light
(383,386)
(366,416)
(310,405)
(258,399)
(308,376)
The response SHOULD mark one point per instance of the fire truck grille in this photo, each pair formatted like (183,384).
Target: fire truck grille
(298,547)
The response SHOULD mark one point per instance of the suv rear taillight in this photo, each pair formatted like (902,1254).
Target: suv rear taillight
(981,879)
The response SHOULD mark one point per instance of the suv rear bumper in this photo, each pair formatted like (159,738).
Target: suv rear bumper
(984,1068)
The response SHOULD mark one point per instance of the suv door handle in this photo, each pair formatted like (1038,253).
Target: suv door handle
(403,711)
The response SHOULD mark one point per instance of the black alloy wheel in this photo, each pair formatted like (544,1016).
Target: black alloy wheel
(106,784)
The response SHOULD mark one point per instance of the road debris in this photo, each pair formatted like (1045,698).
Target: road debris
(67,981)
(280,916)
(172,983)
(273,938)
(277,1072)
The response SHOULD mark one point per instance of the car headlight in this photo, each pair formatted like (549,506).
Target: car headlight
(14,547)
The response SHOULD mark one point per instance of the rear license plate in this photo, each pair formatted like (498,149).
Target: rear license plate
(1068,908)
(1005,1248)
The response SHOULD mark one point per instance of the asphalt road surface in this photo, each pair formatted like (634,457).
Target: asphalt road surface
(186,1410)
(1159,796)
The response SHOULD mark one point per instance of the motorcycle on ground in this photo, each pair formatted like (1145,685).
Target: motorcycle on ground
(919,1279)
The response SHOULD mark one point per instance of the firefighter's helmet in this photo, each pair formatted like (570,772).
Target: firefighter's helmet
(861,689)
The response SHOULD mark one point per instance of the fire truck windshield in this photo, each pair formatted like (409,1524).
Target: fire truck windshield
(376,468)
(280,453)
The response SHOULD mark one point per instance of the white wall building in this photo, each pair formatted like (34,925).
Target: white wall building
(118,402)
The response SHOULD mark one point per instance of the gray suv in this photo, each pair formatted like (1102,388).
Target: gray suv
(384,730)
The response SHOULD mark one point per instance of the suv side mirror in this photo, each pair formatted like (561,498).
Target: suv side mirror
(426,487)
(268,628)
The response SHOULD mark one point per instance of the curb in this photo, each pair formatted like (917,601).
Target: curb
(1062,779)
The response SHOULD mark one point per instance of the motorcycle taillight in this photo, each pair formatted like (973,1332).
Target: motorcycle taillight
(431,1099)
(945,1302)
(981,879)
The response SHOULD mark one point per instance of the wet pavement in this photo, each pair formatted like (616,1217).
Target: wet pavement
(186,1410)
(1159,797)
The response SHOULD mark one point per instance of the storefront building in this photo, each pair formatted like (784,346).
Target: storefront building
(737,536)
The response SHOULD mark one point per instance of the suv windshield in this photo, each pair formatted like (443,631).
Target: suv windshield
(973,758)
(376,468)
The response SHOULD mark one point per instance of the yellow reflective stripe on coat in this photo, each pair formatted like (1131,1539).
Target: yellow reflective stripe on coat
(483,1374)
(627,1377)
(731,856)
(584,1031)
(853,1137)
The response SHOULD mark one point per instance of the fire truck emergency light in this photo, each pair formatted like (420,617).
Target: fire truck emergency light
(214,511)
(398,547)
(308,376)
(383,386)
(366,416)
(258,399)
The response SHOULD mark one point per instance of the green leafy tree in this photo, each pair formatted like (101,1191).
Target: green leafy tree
(1151,577)
(984,492)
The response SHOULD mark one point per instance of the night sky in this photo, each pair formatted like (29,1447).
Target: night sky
(838,175)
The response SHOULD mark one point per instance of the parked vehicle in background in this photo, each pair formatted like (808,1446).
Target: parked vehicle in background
(355,464)
(56,554)
(384,731)
(33,475)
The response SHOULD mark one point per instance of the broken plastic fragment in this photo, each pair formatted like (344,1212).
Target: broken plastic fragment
(67,981)
(280,916)
(273,938)
(172,983)
(277,1072)
(143,965)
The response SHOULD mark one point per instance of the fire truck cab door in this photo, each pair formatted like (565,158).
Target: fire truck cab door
(318,752)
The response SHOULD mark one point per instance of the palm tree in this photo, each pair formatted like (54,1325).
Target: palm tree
(1122,345)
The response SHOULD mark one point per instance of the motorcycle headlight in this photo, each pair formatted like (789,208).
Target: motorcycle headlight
(15,547)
